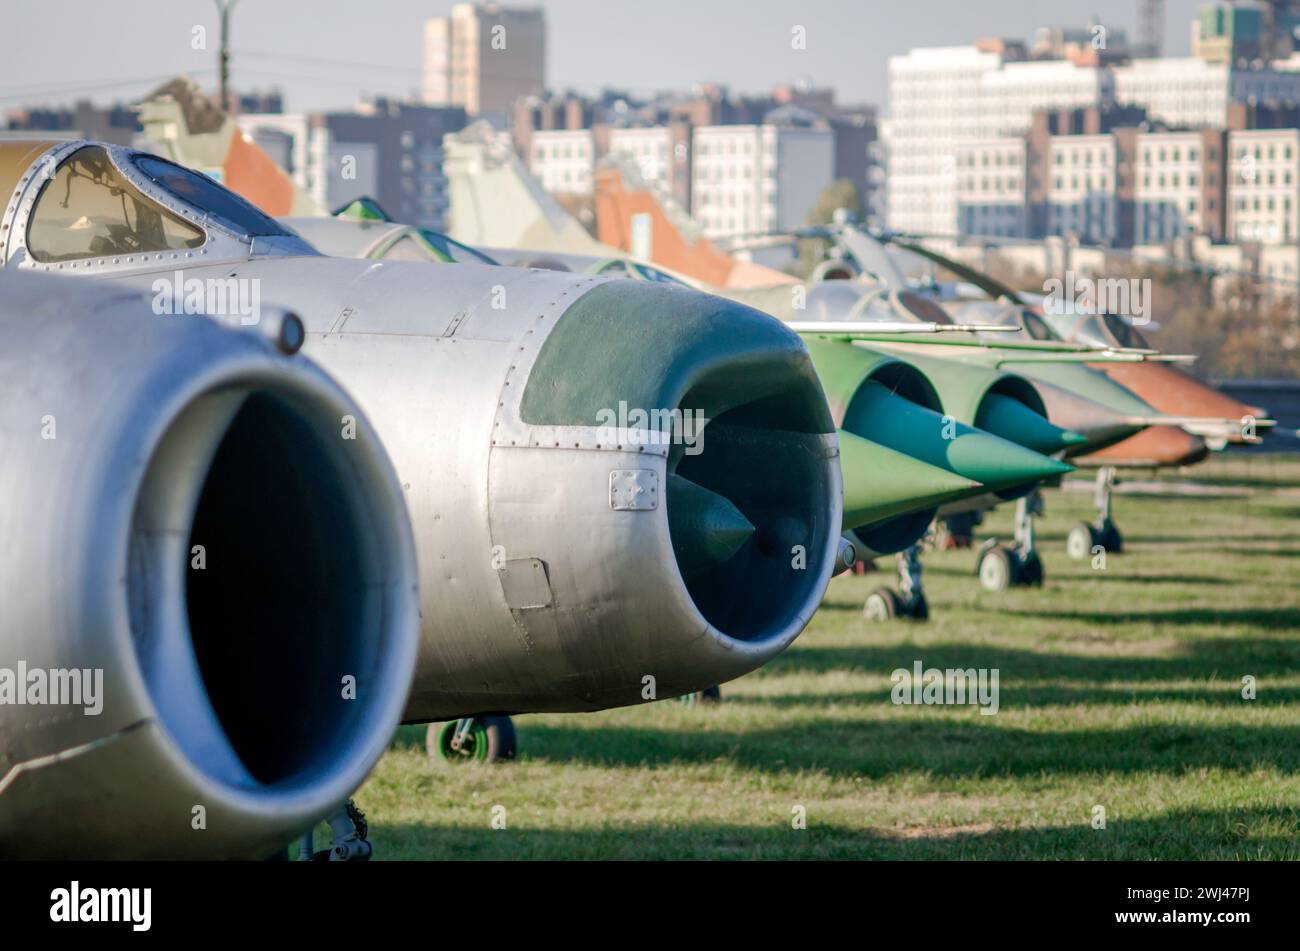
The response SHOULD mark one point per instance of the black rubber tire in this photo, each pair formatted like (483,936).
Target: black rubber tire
(709,695)
(1031,571)
(1110,538)
(919,610)
(997,568)
(497,732)
(883,604)
(1080,541)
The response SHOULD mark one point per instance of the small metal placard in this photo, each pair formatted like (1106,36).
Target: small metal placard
(525,583)
(633,490)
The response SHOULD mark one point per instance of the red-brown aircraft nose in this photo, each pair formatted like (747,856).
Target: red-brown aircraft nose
(1174,392)
(1156,446)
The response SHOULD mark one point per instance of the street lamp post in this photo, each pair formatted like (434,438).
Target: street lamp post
(223,8)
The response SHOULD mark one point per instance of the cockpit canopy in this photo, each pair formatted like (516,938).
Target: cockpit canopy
(1098,330)
(90,209)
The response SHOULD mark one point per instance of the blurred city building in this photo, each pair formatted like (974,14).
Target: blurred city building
(754,179)
(386,150)
(116,124)
(484,57)
(951,110)
(797,139)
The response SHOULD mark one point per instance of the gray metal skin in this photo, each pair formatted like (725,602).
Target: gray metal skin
(346,238)
(536,594)
(111,418)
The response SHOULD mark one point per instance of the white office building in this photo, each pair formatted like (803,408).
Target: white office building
(1189,92)
(940,98)
(750,179)
(1174,195)
(1263,178)
(564,160)
(943,97)
(992,187)
(651,149)
(1081,187)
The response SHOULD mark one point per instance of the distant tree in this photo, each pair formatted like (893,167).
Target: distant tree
(840,193)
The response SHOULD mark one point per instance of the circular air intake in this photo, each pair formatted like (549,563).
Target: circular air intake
(270,584)
(747,512)
(1014,409)
(907,382)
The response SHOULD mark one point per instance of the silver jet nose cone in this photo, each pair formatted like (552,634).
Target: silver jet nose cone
(707,528)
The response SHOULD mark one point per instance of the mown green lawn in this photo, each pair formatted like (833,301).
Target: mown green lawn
(1120,688)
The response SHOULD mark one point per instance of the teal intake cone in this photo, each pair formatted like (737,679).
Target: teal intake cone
(997,463)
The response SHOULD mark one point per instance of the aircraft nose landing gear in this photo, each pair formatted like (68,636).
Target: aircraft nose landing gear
(1000,567)
(1084,537)
(350,829)
(471,740)
(709,695)
(885,604)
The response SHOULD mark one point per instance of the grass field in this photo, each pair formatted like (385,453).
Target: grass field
(1120,688)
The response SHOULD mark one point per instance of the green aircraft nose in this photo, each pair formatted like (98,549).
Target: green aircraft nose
(705,526)
(1014,421)
(880,482)
(887,418)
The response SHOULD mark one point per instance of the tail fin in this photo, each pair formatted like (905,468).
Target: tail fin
(497,203)
(676,241)
(184,124)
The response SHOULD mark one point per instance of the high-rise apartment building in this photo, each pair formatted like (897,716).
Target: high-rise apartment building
(483,57)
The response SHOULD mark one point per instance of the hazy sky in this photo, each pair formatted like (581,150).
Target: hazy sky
(323,53)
